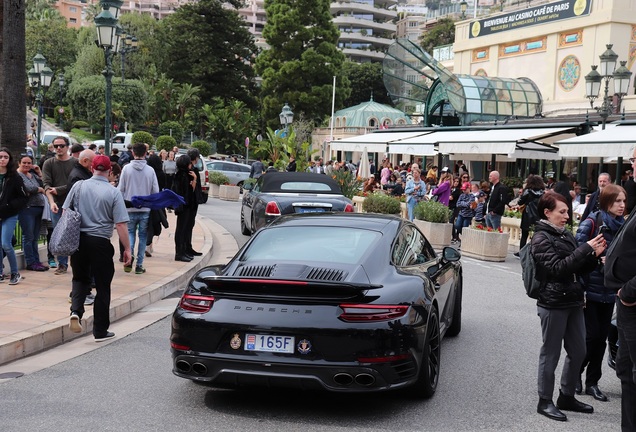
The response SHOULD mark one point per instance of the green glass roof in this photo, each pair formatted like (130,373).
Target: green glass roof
(370,114)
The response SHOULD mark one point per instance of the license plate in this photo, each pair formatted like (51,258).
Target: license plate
(268,343)
(310,210)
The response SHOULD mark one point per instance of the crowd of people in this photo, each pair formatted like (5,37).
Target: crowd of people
(107,191)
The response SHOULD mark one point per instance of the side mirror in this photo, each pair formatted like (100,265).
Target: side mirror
(451,254)
(248,186)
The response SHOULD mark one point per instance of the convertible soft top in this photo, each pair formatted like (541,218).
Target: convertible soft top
(300,182)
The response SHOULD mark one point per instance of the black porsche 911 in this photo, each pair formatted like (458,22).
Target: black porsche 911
(346,302)
(280,193)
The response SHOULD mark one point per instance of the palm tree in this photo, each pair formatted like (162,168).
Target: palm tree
(187,96)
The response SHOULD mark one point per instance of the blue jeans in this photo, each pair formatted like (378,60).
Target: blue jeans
(493,221)
(30,220)
(8,227)
(462,222)
(138,224)
(55,218)
(410,206)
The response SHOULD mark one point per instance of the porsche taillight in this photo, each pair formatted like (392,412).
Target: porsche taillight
(196,303)
(349,208)
(271,209)
(371,313)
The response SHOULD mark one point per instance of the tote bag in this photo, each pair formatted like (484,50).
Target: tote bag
(65,238)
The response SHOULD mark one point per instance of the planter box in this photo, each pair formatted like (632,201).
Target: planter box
(437,234)
(484,245)
(214,190)
(229,192)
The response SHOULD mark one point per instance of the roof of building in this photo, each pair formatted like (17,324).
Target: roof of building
(360,115)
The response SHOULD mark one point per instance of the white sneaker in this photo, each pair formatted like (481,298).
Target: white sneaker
(75,324)
(15,279)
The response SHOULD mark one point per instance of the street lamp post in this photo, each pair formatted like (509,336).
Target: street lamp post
(501,5)
(286,117)
(462,7)
(40,77)
(108,40)
(593,81)
(128,43)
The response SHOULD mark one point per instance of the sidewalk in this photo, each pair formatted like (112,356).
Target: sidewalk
(34,313)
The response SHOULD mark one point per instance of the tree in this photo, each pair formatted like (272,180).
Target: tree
(369,83)
(54,40)
(303,58)
(12,76)
(208,45)
(442,33)
(228,124)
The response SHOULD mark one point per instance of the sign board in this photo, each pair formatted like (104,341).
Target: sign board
(247,142)
(60,110)
(543,14)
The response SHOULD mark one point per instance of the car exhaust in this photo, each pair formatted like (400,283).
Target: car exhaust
(343,379)
(365,379)
(183,366)
(199,369)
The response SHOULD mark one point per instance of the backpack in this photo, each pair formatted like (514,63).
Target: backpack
(531,283)
(529,272)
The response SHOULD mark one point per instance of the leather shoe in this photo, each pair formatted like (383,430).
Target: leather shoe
(579,386)
(194,253)
(596,393)
(182,258)
(569,403)
(189,256)
(546,407)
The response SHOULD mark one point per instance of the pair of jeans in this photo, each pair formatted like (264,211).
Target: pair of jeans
(55,218)
(138,226)
(460,223)
(30,220)
(493,221)
(410,206)
(93,258)
(8,228)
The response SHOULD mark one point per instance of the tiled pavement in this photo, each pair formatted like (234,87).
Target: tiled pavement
(34,313)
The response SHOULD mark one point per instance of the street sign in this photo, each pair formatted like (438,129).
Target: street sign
(247,142)
(60,110)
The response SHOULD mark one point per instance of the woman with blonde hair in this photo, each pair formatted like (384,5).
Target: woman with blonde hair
(443,189)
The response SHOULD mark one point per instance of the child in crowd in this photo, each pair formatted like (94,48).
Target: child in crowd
(481,208)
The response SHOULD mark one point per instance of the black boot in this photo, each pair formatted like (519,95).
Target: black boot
(569,403)
(546,407)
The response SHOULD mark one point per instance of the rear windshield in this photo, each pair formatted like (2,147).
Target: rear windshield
(311,243)
(305,186)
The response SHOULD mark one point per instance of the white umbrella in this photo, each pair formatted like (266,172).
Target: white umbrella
(363,168)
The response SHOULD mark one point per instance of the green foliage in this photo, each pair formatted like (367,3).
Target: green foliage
(203,146)
(379,202)
(171,128)
(432,211)
(229,123)
(350,185)
(80,124)
(143,137)
(368,79)
(218,178)
(165,142)
(54,40)
(302,58)
(442,33)
(512,214)
(82,136)
(512,182)
(207,44)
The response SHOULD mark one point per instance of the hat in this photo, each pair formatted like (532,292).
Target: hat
(101,163)
(466,185)
(482,194)
(445,169)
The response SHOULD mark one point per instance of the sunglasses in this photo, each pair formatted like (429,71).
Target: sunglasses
(59,145)
(631,160)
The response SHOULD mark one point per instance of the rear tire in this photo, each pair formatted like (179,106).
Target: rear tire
(240,185)
(456,325)
(426,383)
(205,198)
(244,229)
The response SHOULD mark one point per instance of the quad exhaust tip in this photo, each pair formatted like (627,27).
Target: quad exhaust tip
(365,379)
(183,366)
(199,369)
(343,379)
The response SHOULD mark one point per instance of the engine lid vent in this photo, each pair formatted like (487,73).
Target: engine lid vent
(256,271)
(326,274)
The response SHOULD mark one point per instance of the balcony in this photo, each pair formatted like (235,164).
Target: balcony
(347,20)
(378,13)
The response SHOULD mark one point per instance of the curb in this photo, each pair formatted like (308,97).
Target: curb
(56,333)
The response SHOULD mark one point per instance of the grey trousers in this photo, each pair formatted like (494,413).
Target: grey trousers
(561,327)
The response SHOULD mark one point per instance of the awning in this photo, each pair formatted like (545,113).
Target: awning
(376,142)
(612,142)
(417,145)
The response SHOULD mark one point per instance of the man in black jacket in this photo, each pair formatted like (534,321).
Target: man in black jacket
(620,275)
(496,202)
(592,205)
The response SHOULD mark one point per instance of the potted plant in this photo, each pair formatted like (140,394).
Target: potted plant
(229,192)
(486,244)
(216,180)
(432,218)
(379,202)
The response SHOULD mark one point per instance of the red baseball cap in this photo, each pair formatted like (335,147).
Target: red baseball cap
(101,163)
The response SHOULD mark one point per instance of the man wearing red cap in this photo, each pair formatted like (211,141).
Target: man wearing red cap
(101,206)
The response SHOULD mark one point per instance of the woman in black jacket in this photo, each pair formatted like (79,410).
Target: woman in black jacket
(13,198)
(184,184)
(599,300)
(560,304)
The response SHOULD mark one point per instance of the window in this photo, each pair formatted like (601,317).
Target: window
(72,9)
(411,248)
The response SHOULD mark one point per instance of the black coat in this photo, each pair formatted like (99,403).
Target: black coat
(559,260)
(181,186)
(592,205)
(620,262)
(498,199)
(530,198)
(13,197)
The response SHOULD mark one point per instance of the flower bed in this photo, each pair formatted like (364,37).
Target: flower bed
(484,244)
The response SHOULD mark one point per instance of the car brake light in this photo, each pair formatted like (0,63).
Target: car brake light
(207,176)
(196,303)
(371,313)
(349,208)
(272,209)
(182,347)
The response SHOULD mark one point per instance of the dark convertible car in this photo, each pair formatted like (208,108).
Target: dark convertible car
(281,193)
(345,302)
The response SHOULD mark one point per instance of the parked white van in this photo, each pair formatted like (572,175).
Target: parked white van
(121,141)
